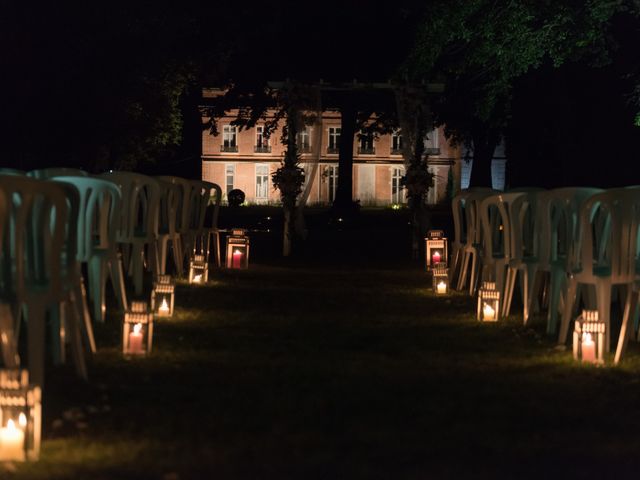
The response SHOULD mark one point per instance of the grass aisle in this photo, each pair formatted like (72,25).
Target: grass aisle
(335,373)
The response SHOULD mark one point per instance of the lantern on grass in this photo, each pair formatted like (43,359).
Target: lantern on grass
(436,248)
(162,296)
(198,269)
(238,249)
(588,338)
(137,329)
(20,416)
(440,279)
(488,302)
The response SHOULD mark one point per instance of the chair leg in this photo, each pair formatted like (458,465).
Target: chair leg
(556,282)
(97,285)
(162,246)
(72,321)
(58,333)
(8,337)
(463,271)
(603,294)
(82,309)
(475,270)
(627,323)
(568,310)
(116,271)
(528,279)
(36,341)
(510,282)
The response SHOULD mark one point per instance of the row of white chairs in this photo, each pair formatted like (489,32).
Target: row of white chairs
(53,221)
(567,247)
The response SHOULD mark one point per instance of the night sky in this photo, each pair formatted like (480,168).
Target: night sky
(67,69)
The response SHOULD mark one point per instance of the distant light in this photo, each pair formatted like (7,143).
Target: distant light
(339,219)
(395,206)
(268,218)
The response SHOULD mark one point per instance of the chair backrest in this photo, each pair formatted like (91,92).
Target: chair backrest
(140,203)
(473,224)
(200,195)
(34,235)
(170,206)
(496,215)
(12,171)
(214,202)
(48,173)
(184,206)
(98,215)
(559,211)
(608,234)
(524,224)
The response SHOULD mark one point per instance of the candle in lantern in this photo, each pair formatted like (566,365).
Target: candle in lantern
(12,441)
(435,258)
(164,307)
(588,348)
(135,339)
(237,259)
(197,278)
(488,313)
(441,287)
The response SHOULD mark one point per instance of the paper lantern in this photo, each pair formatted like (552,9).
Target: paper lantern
(20,416)
(137,329)
(198,269)
(440,279)
(436,248)
(588,338)
(488,302)
(238,249)
(163,296)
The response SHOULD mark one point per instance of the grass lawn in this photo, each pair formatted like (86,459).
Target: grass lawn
(340,370)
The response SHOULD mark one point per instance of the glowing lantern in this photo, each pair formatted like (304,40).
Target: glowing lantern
(20,416)
(137,329)
(198,269)
(488,303)
(440,279)
(163,296)
(238,249)
(436,248)
(588,338)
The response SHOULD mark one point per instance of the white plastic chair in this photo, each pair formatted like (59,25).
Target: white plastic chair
(183,214)
(212,233)
(38,256)
(605,253)
(49,173)
(98,220)
(168,216)
(138,225)
(497,215)
(471,250)
(195,237)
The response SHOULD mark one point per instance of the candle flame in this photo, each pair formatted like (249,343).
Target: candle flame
(137,328)
(442,284)
(586,338)
(11,425)
(237,252)
(488,311)
(165,306)
(197,278)
(22,420)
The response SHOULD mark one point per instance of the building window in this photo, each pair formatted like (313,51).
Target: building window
(365,144)
(396,143)
(332,175)
(262,182)
(230,173)
(229,139)
(304,141)
(397,190)
(334,140)
(431,143)
(262,142)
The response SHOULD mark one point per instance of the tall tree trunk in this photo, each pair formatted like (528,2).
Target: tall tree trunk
(288,230)
(344,192)
(484,145)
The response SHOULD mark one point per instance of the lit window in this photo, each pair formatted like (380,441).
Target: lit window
(396,143)
(397,191)
(262,142)
(332,175)
(230,173)
(334,140)
(229,138)
(365,144)
(262,182)
(304,141)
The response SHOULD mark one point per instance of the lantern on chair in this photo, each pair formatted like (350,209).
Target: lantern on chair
(20,416)
(198,269)
(238,249)
(588,338)
(488,302)
(440,279)
(137,329)
(162,296)
(436,248)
